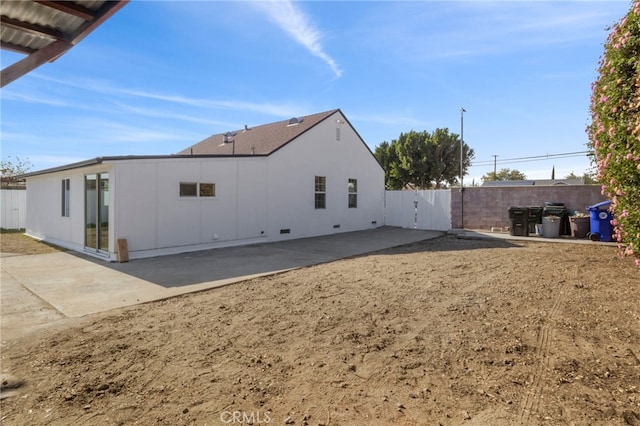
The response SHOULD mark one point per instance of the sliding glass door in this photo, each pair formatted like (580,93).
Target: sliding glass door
(96,197)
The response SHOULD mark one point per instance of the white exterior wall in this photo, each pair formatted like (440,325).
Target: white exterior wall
(155,220)
(255,198)
(44,207)
(291,189)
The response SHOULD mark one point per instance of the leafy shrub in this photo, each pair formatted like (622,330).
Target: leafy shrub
(614,133)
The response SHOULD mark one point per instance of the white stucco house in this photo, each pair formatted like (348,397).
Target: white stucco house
(297,178)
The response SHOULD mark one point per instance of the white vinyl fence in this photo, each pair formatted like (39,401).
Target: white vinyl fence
(426,209)
(13,208)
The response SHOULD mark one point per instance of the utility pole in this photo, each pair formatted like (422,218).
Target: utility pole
(495,159)
(462,111)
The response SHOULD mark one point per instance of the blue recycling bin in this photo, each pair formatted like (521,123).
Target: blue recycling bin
(600,222)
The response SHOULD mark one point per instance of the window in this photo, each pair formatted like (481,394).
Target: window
(207,190)
(188,189)
(321,192)
(353,193)
(66,184)
(195,189)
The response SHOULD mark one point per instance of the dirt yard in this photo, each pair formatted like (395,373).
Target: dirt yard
(446,331)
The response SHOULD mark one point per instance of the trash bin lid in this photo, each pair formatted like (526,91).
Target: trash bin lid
(599,206)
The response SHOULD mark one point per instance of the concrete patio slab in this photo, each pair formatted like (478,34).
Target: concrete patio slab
(76,285)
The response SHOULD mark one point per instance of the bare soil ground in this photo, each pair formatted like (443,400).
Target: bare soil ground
(446,331)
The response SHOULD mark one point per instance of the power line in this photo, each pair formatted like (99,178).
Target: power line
(531,158)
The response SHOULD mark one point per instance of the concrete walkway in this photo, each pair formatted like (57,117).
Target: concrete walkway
(38,289)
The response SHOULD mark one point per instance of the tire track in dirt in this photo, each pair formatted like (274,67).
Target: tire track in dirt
(531,402)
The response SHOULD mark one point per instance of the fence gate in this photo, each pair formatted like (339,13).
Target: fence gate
(13,212)
(424,209)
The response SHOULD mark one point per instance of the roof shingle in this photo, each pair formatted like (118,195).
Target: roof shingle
(258,140)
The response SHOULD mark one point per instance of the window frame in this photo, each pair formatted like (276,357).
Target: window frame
(188,185)
(352,197)
(196,190)
(65,208)
(213,190)
(320,192)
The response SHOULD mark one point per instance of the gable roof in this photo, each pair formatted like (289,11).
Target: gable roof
(259,140)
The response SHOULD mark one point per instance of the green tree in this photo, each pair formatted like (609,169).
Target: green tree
(504,174)
(388,159)
(445,157)
(587,178)
(422,159)
(614,132)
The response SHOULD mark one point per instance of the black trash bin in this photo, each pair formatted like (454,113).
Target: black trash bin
(519,221)
(558,209)
(535,217)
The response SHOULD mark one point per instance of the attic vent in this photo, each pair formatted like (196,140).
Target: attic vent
(228,137)
(295,120)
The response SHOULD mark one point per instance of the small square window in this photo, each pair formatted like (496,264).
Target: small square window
(207,189)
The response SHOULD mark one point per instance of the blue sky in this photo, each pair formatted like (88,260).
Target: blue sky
(162,75)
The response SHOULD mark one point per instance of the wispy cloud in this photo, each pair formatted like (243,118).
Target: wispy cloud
(285,109)
(114,132)
(263,108)
(32,99)
(297,24)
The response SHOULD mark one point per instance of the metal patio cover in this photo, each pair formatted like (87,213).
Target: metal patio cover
(45,30)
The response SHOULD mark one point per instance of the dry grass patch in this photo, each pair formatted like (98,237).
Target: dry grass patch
(15,241)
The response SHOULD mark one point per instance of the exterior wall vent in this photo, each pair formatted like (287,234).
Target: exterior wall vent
(336,226)
(285,231)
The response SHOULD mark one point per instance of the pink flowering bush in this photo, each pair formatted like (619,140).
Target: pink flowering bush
(614,133)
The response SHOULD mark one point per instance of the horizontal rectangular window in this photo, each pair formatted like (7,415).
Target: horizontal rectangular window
(188,189)
(195,189)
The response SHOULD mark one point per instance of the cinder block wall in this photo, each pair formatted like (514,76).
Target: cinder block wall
(485,207)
